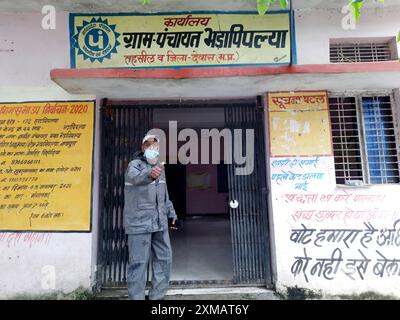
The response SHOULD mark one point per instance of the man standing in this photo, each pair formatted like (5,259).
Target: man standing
(146,212)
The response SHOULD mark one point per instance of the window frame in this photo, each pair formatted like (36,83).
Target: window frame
(390,41)
(358,96)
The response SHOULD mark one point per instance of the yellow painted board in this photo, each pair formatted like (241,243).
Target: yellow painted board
(46,151)
(206,39)
(299,124)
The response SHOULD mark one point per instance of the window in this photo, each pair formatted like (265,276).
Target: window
(364,140)
(345,135)
(362,50)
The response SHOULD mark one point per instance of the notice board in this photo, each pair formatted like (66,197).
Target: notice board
(299,124)
(46,154)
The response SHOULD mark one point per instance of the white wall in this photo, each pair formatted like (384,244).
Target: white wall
(334,238)
(327,206)
(28,260)
(315,27)
(348,207)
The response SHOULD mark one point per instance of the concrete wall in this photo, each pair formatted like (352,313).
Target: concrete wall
(207,200)
(315,28)
(30,262)
(327,206)
(339,239)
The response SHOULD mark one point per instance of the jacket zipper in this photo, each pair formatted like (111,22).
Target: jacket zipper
(158,212)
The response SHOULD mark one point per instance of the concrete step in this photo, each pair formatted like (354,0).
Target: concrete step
(228,293)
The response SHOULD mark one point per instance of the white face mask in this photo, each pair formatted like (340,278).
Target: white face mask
(152,155)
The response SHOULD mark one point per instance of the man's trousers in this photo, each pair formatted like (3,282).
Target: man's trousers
(141,246)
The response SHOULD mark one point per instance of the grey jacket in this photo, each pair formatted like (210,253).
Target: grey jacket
(147,205)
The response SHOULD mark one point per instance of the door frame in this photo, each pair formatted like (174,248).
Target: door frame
(105,107)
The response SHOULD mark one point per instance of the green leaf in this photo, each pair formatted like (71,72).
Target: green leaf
(398,37)
(262,6)
(283,4)
(355,6)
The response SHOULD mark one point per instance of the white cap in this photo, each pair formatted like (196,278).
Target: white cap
(150,136)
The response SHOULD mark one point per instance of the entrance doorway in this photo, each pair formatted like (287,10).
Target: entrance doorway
(223,235)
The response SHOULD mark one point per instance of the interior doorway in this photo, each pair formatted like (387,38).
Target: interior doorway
(202,248)
(216,243)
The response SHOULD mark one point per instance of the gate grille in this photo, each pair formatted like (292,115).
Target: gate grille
(249,220)
(122,130)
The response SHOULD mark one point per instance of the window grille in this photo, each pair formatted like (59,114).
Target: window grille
(380,140)
(361,52)
(364,140)
(346,142)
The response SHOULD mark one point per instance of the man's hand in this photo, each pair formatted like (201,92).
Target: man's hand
(156,172)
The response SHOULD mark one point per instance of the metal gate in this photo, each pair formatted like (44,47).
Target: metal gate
(122,128)
(249,221)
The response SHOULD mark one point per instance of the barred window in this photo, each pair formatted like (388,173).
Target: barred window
(364,140)
(362,50)
(346,142)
